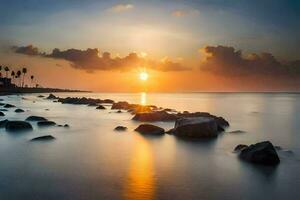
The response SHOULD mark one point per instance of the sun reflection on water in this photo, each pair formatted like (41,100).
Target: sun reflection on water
(140,183)
(143,98)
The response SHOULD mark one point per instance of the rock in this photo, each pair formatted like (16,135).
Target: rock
(18,110)
(154,116)
(35,118)
(17,126)
(9,106)
(100,107)
(149,129)
(237,132)
(66,126)
(3,123)
(93,104)
(43,138)
(80,101)
(260,153)
(120,128)
(196,127)
(171,131)
(3,110)
(52,96)
(2,114)
(2,104)
(46,123)
(41,96)
(108,101)
(121,105)
(240,147)
(119,111)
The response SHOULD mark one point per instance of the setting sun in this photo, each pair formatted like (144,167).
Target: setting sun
(143,76)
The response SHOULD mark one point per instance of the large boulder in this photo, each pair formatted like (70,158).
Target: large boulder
(17,126)
(260,153)
(46,123)
(196,127)
(43,138)
(36,118)
(149,129)
(154,116)
(3,123)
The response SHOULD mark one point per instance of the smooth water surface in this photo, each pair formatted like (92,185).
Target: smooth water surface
(90,160)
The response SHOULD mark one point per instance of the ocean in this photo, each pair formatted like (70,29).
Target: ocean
(90,160)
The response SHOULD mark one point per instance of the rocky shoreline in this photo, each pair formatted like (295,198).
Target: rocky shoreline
(194,125)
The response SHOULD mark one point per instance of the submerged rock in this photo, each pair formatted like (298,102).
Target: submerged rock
(41,96)
(46,123)
(9,106)
(100,107)
(17,126)
(3,110)
(196,127)
(120,128)
(18,110)
(52,96)
(260,153)
(2,114)
(237,131)
(66,126)
(36,118)
(43,138)
(150,129)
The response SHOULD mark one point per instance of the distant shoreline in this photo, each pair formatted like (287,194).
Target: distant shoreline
(11,91)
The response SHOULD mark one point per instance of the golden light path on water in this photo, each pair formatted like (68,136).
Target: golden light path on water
(143,98)
(140,183)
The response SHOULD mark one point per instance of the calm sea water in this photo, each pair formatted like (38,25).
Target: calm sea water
(91,161)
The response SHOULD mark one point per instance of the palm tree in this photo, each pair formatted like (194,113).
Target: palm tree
(18,76)
(24,71)
(6,69)
(12,75)
(31,77)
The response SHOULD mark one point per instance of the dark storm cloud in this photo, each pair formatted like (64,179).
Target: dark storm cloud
(28,50)
(228,61)
(91,59)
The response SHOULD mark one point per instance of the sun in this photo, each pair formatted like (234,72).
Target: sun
(143,76)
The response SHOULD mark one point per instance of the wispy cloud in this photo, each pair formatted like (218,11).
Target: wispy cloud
(121,8)
(184,12)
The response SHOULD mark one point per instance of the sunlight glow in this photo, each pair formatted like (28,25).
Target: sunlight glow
(143,76)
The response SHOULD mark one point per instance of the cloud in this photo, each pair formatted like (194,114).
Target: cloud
(121,8)
(184,12)
(28,50)
(226,60)
(91,60)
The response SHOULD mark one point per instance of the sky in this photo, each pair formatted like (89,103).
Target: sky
(184,46)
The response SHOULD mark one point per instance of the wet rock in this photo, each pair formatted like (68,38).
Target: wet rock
(43,138)
(9,106)
(17,126)
(108,101)
(3,123)
(36,118)
(240,147)
(100,107)
(119,111)
(52,96)
(120,128)
(260,153)
(2,104)
(196,127)
(66,126)
(41,96)
(2,114)
(121,105)
(3,110)
(154,116)
(18,110)
(80,101)
(93,104)
(171,131)
(46,123)
(149,129)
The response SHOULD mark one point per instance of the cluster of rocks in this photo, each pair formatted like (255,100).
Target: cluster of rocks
(81,101)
